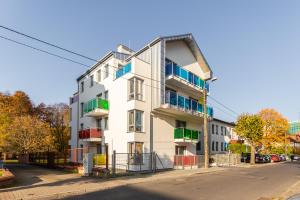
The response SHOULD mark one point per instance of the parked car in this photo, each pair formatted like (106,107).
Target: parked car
(267,158)
(295,157)
(259,158)
(275,158)
(282,157)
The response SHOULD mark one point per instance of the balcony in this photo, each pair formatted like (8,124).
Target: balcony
(177,104)
(177,76)
(91,134)
(186,135)
(123,70)
(96,107)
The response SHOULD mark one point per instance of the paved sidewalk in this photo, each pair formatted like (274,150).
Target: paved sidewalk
(52,184)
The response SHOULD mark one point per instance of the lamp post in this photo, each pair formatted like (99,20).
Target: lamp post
(206,150)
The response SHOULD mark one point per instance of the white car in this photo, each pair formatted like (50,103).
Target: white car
(295,157)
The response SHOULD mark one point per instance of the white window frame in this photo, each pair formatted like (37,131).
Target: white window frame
(132,126)
(135,94)
(82,86)
(91,80)
(99,75)
(106,71)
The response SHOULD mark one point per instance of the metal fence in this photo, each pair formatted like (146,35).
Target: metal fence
(130,163)
(197,161)
(188,161)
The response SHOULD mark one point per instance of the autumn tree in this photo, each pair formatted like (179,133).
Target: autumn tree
(274,130)
(28,134)
(59,124)
(250,127)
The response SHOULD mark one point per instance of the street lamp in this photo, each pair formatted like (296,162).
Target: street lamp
(206,150)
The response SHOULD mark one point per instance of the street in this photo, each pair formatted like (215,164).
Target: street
(237,183)
(259,182)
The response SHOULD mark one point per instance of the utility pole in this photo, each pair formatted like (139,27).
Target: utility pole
(206,150)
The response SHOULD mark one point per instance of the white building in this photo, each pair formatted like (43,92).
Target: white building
(144,101)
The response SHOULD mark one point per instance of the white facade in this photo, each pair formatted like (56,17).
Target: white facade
(144,119)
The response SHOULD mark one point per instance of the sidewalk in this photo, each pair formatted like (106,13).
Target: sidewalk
(73,185)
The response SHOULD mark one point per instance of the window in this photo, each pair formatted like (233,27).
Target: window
(222,147)
(106,95)
(135,150)
(225,130)
(105,123)
(106,71)
(180,124)
(99,75)
(217,146)
(213,146)
(99,95)
(135,89)
(135,121)
(81,126)
(82,86)
(217,127)
(81,109)
(91,80)
(98,123)
(222,130)
(198,146)
(213,129)
(180,150)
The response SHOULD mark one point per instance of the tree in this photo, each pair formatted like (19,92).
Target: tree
(250,127)
(28,134)
(274,130)
(59,123)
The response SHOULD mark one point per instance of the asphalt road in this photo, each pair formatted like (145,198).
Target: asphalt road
(236,183)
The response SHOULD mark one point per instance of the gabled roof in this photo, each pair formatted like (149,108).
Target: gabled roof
(187,38)
(192,44)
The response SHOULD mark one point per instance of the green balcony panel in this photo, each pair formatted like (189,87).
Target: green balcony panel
(103,104)
(195,135)
(184,133)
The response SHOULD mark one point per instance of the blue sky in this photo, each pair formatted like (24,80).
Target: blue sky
(252,46)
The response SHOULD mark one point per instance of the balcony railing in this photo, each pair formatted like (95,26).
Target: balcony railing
(174,69)
(184,133)
(124,70)
(186,104)
(96,103)
(90,133)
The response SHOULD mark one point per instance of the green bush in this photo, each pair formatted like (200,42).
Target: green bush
(239,148)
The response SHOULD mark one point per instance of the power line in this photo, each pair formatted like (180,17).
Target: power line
(223,105)
(42,41)
(83,56)
(47,52)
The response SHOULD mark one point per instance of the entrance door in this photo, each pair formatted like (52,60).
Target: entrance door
(180,150)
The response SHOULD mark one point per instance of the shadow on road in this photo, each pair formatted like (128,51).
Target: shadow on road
(122,193)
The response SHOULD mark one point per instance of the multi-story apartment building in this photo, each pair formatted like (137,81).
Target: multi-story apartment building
(144,101)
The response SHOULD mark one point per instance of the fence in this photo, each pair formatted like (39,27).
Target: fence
(197,161)
(189,161)
(225,159)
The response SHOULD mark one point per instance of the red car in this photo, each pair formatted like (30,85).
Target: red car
(275,158)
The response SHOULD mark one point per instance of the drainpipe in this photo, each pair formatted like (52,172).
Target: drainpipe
(151,115)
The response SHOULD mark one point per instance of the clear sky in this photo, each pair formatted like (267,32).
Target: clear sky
(253,46)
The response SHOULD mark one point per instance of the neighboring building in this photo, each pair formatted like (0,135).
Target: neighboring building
(294,128)
(221,133)
(294,136)
(144,101)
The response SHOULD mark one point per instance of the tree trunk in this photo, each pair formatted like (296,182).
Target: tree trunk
(252,158)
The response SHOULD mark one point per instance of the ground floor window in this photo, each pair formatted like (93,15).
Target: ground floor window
(135,150)
(180,150)
(222,147)
(217,146)
(213,146)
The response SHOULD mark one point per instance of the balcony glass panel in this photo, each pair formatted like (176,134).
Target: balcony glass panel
(181,101)
(187,104)
(184,133)
(174,69)
(124,70)
(96,103)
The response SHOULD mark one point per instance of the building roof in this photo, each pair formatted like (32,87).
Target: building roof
(224,122)
(188,38)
